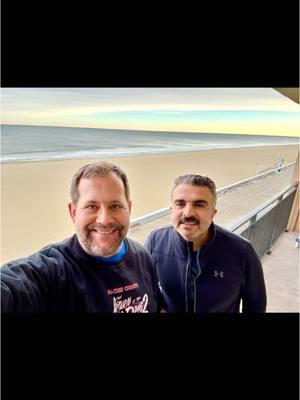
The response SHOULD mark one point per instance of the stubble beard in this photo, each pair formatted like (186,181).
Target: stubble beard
(95,250)
(198,228)
(201,233)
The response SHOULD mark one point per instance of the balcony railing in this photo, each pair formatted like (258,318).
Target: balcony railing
(264,225)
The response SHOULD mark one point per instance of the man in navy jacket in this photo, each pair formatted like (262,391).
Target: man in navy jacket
(202,267)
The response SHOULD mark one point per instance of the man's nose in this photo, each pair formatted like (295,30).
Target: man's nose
(189,210)
(104,216)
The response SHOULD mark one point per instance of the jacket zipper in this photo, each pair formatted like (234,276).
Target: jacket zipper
(187,286)
(198,254)
(186,281)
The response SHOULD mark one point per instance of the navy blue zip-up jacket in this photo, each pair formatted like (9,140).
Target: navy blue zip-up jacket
(230,272)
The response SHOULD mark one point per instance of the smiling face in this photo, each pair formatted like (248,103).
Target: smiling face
(192,212)
(101,215)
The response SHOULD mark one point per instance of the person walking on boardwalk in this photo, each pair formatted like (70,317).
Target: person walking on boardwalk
(98,269)
(203,268)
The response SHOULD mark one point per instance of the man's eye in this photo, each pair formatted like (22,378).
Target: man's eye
(179,205)
(91,206)
(116,206)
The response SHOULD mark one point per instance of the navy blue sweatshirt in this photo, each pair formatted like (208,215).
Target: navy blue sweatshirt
(62,277)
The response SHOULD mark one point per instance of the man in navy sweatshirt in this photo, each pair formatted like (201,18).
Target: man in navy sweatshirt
(201,267)
(96,270)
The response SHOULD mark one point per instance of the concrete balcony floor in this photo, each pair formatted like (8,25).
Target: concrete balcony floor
(281,271)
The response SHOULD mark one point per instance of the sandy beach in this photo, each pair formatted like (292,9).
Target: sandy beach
(34,195)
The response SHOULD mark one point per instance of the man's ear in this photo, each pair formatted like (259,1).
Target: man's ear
(214,212)
(72,211)
(129,206)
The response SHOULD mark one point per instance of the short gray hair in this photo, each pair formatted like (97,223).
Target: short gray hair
(197,180)
(101,168)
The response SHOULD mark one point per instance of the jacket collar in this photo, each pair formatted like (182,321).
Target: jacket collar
(182,247)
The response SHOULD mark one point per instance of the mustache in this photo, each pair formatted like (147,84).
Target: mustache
(189,220)
(101,226)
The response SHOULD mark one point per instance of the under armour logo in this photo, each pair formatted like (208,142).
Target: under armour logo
(220,274)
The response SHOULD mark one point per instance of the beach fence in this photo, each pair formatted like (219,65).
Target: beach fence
(263,225)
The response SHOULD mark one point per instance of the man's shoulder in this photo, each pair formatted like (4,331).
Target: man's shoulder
(57,249)
(49,254)
(162,231)
(160,239)
(135,246)
(232,237)
(137,253)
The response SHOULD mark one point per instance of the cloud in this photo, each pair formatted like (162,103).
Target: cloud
(90,100)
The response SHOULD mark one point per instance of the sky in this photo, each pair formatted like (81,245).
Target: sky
(259,111)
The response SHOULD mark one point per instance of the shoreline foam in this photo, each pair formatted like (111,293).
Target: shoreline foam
(102,154)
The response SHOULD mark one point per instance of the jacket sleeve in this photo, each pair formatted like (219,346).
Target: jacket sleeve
(254,297)
(24,285)
(149,247)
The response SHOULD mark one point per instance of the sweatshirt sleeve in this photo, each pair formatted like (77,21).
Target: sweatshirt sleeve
(254,298)
(24,285)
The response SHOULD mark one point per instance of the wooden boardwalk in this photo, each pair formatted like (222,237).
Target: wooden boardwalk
(231,205)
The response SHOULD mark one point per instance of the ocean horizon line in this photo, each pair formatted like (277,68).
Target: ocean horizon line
(154,131)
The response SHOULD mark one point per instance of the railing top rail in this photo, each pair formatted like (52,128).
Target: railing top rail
(165,211)
(253,178)
(150,217)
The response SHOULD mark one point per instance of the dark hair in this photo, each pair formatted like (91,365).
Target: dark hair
(101,168)
(197,180)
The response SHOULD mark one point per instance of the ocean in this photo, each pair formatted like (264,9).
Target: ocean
(36,143)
